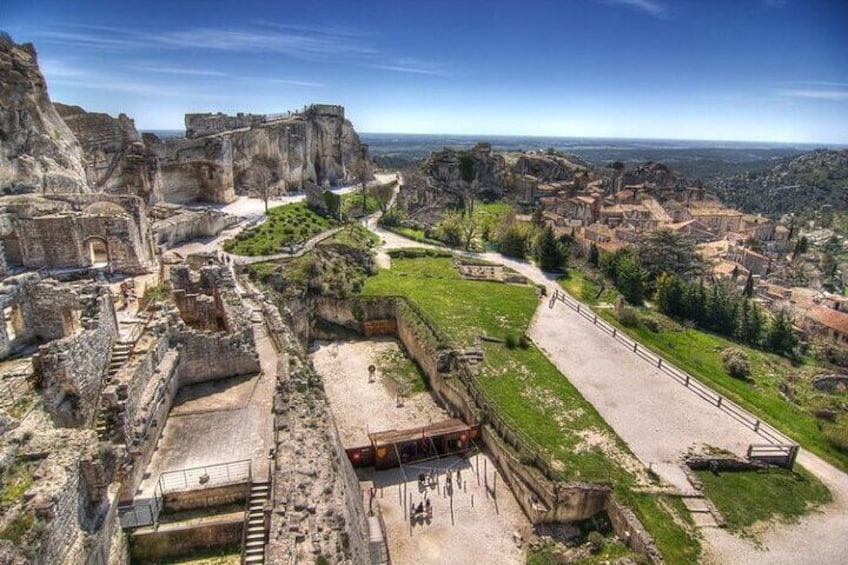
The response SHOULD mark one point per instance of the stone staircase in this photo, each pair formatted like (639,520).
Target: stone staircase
(256,535)
(120,354)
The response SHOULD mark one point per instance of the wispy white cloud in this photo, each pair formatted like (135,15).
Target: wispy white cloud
(136,87)
(832,95)
(177,71)
(286,81)
(413,66)
(651,7)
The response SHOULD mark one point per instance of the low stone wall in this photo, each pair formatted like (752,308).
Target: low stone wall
(191,224)
(153,546)
(627,526)
(206,497)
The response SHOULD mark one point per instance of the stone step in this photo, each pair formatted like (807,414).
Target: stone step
(256,537)
(250,559)
(254,543)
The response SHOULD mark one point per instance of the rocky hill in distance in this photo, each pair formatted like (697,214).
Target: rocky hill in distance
(810,186)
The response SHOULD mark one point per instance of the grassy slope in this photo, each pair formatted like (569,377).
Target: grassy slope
(286,225)
(529,391)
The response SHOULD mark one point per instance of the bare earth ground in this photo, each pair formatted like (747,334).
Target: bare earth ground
(219,422)
(360,406)
(481,533)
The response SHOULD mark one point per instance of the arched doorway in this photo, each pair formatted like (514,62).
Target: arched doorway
(98,252)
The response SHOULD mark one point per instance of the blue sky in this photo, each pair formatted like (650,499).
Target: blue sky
(764,70)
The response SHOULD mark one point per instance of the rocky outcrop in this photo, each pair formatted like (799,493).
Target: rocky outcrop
(656,175)
(38,152)
(116,157)
(225,156)
(549,167)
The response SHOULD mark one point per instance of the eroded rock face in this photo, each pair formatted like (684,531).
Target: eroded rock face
(116,157)
(225,156)
(38,152)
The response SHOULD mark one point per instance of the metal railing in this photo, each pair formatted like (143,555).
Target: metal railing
(145,511)
(205,477)
(763,429)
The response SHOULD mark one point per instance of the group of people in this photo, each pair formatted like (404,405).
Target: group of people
(421,510)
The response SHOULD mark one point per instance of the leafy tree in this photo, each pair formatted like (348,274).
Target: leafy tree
(383,193)
(512,241)
(780,336)
(632,278)
(666,251)
(450,230)
(669,294)
(549,253)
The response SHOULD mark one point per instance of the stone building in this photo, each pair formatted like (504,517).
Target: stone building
(76,232)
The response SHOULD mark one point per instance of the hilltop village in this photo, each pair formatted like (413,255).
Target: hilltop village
(252,345)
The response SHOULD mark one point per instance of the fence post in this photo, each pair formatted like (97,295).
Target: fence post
(687,381)
(659,363)
(757,426)
(719,402)
(595,321)
(635,345)
(614,331)
(578,308)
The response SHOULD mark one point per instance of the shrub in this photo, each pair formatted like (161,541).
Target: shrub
(736,362)
(652,324)
(511,341)
(596,541)
(523,342)
(837,436)
(627,317)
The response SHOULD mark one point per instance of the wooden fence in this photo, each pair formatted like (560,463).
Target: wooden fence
(774,438)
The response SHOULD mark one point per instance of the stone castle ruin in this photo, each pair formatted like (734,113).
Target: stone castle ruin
(155,403)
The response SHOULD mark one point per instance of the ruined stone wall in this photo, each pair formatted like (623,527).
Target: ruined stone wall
(211,356)
(199,125)
(191,224)
(56,232)
(71,370)
(157,545)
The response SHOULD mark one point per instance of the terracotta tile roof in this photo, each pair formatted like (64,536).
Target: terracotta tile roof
(830,318)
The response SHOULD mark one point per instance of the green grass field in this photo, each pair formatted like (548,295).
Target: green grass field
(530,393)
(286,225)
(747,497)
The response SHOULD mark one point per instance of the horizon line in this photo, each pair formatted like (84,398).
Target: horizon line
(481,137)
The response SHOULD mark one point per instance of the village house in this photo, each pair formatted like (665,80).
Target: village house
(828,323)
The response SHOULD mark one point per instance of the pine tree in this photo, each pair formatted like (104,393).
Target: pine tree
(548,252)
(594,255)
(632,279)
(780,336)
(749,286)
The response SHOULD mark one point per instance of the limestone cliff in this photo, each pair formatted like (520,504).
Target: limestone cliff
(116,158)
(38,153)
(453,177)
(225,156)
